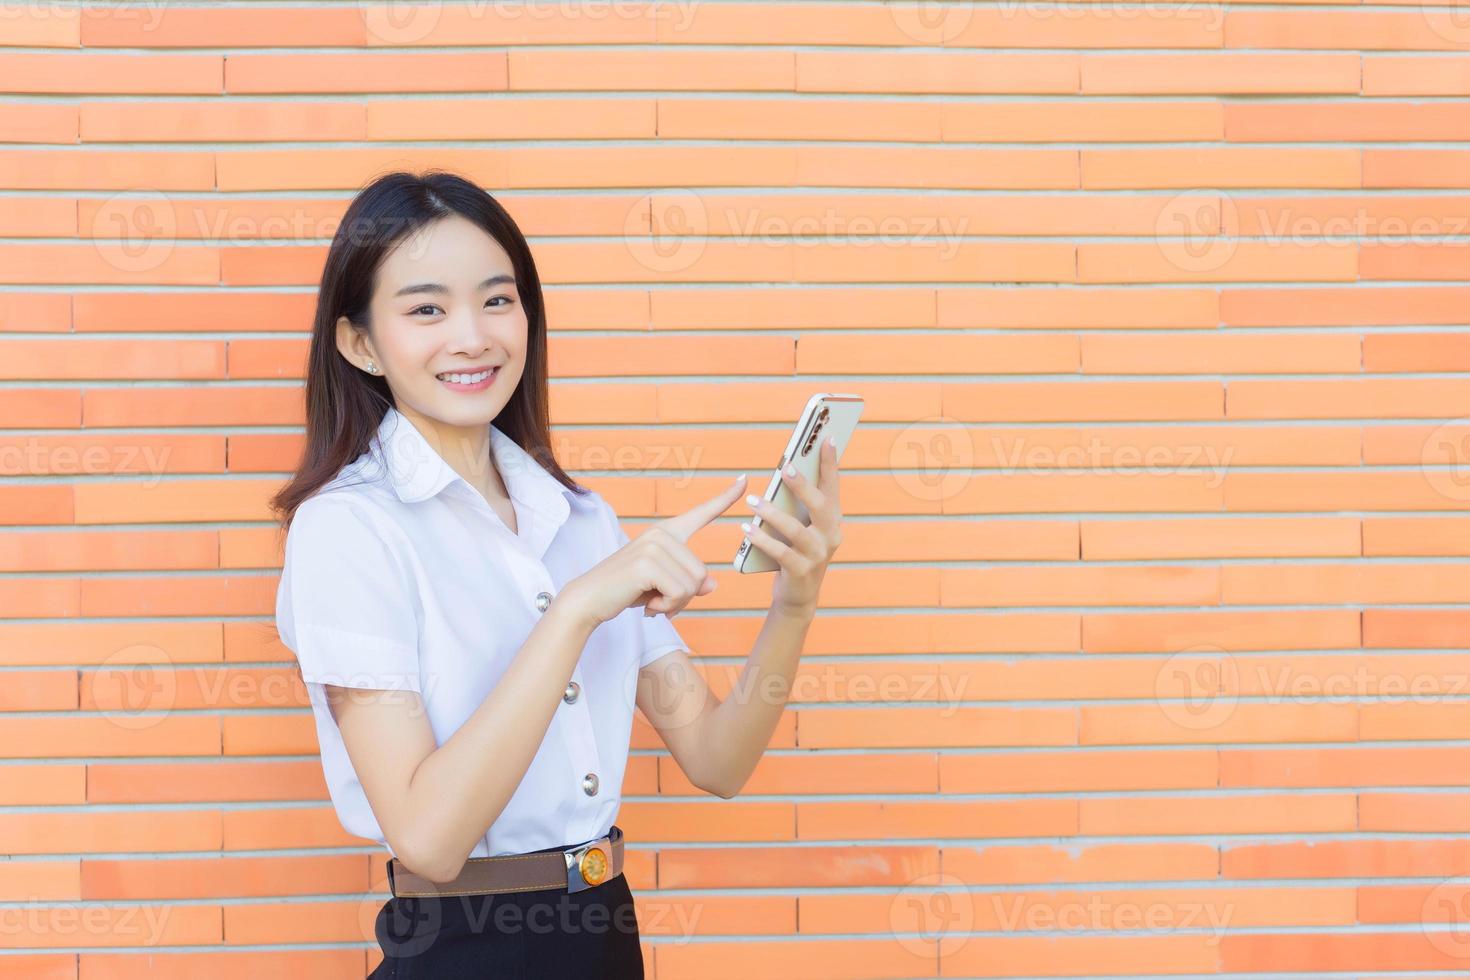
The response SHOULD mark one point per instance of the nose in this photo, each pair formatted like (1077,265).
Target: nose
(468,334)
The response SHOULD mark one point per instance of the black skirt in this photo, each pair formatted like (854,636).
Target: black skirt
(591,935)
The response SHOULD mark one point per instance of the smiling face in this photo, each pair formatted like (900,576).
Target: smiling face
(445,310)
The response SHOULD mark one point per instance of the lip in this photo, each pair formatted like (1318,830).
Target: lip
(478,386)
(470,370)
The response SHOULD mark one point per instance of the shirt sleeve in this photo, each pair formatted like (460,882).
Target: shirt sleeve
(345,604)
(659,635)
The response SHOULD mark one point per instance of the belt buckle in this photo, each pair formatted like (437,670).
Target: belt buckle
(589,864)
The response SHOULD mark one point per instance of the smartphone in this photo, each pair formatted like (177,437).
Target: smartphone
(825,415)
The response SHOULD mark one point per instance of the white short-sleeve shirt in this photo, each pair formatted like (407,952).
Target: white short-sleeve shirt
(399,575)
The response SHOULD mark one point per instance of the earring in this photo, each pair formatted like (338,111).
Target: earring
(372,368)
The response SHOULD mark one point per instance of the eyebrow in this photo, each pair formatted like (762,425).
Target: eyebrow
(440,289)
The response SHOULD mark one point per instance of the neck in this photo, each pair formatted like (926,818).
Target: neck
(465,448)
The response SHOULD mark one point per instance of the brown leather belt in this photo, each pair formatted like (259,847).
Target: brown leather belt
(572,869)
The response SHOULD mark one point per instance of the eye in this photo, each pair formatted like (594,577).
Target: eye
(431,306)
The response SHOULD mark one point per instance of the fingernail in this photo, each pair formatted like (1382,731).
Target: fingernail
(790,469)
(740,479)
(745,527)
(832,442)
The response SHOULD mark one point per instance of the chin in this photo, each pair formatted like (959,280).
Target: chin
(466,410)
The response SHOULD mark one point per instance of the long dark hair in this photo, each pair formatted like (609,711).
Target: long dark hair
(344,405)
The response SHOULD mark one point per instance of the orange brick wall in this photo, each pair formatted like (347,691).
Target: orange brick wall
(1144,654)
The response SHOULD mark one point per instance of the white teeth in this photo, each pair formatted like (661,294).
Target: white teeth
(465,379)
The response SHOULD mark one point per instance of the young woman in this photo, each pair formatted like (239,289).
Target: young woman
(475,630)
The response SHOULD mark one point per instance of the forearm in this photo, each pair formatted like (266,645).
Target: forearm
(460,789)
(737,732)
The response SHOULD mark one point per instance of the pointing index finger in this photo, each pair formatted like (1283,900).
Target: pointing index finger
(683,526)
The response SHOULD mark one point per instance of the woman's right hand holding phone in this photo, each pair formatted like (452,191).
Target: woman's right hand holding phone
(656,570)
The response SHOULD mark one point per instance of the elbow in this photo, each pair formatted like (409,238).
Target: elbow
(430,863)
(443,874)
(724,792)
(725,785)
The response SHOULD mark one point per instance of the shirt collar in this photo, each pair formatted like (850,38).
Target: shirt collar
(417,471)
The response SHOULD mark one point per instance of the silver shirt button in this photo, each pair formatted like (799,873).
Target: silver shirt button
(570,696)
(589,784)
(543,599)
